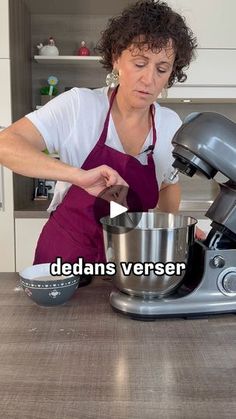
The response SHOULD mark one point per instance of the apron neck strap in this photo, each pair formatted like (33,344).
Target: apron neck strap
(103,135)
(154,132)
(106,123)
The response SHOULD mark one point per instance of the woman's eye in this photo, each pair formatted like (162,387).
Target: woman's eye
(140,65)
(161,70)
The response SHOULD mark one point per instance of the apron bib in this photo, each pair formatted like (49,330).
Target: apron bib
(72,230)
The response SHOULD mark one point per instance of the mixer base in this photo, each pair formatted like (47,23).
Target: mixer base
(172,307)
(206,290)
(152,318)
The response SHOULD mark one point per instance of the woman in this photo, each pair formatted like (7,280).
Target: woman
(112,136)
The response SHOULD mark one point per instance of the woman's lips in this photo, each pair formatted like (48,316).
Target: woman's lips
(141,92)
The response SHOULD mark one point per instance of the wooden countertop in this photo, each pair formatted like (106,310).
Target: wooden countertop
(82,360)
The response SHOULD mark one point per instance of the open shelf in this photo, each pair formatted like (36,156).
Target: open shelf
(66,59)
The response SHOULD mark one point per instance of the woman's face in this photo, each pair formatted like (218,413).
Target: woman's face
(143,74)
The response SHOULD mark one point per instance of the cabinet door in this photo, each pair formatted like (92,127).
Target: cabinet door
(4,29)
(212,68)
(5,98)
(7,254)
(209,76)
(27,231)
(213,22)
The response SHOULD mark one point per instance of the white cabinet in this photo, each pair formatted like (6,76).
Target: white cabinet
(1,187)
(213,22)
(7,254)
(4,30)
(211,75)
(27,231)
(5,71)
(5,99)
(211,68)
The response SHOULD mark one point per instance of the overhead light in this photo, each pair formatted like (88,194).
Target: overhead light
(186,100)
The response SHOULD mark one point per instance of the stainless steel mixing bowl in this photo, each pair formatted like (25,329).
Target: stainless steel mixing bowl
(158,238)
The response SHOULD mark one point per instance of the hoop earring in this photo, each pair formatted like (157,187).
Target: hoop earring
(112,79)
(164,93)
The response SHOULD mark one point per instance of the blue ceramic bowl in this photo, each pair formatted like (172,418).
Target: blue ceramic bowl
(45,289)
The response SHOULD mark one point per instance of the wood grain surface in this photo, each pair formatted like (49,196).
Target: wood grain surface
(82,360)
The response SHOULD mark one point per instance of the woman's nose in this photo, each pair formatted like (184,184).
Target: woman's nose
(148,75)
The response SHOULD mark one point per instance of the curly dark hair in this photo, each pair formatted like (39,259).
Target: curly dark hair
(149,23)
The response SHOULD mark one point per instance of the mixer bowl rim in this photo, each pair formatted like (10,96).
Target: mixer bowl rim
(193,223)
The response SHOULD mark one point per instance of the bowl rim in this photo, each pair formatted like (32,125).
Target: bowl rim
(28,274)
(192,223)
(47,285)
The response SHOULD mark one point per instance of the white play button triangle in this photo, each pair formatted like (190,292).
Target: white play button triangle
(114,216)
(116,209)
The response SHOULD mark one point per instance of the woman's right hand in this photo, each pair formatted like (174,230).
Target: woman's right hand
(97,180)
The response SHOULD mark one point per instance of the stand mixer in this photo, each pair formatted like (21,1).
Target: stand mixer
(205,144)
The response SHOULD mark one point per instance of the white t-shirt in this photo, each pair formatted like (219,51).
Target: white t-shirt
(71,125)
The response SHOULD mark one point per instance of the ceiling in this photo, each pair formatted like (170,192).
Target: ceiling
(103,7)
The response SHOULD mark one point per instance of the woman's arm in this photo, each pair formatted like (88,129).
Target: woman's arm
(169,198)
(21,147)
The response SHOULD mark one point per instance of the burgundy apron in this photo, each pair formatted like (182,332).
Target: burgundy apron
(72,230)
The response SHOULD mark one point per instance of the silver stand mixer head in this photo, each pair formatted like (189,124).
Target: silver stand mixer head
(205,144)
